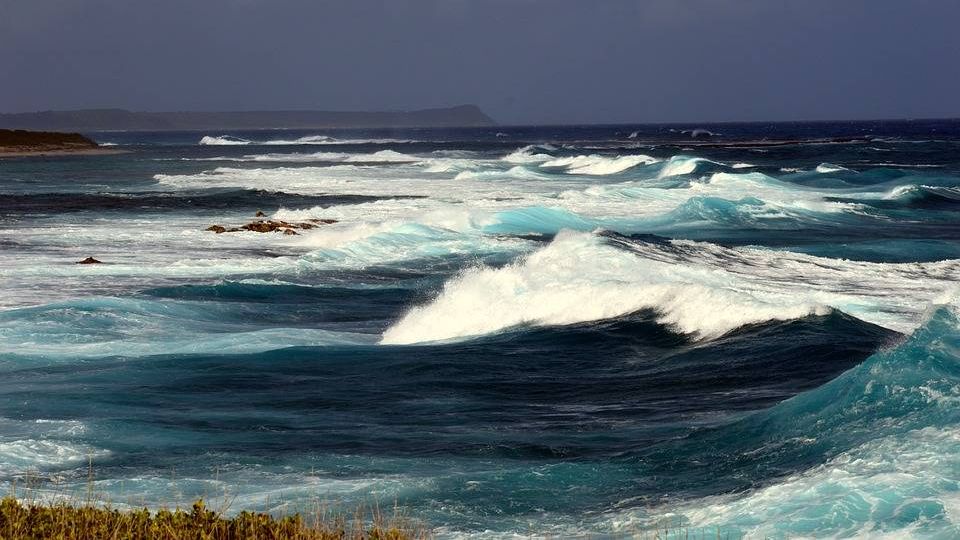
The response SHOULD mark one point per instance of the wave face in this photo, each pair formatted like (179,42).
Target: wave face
(749,330)
(881,442)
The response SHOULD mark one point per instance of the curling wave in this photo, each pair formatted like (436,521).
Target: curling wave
(699,289)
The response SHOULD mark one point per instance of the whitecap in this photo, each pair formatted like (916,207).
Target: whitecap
(223,140)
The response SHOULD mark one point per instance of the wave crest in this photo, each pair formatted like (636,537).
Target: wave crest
(577,278)
(596,165)
(223,140)
(699,289)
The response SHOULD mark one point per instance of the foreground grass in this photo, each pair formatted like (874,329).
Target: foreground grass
(66,521)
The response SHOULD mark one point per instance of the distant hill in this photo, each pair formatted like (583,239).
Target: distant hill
(120,119)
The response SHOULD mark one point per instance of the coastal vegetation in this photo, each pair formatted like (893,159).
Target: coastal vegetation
(67,520)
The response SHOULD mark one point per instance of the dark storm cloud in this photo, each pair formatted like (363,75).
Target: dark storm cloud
(520,60)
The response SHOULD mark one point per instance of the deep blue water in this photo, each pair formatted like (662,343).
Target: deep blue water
(518,330)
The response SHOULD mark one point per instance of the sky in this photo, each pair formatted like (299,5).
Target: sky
(521,61)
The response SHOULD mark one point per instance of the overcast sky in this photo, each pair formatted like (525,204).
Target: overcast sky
(522,61)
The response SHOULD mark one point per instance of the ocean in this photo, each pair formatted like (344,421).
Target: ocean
(743,329)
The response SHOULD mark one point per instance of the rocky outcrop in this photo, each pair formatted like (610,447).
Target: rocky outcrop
(89,260)
(272,225)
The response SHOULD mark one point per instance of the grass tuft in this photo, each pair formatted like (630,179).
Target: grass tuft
(62,520)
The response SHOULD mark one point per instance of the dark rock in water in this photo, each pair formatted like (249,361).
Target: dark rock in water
(89,260)
(260,214)
(265,226)
(272,225)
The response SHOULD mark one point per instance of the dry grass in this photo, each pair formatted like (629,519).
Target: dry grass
(64,521)
(38,515)
(36,512)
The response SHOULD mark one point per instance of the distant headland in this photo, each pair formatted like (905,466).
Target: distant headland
(120,119)
(14,143)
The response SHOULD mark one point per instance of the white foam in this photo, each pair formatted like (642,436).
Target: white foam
(518,172)
(900,165)
(742,166)
(310,139)
(900,192)
(697,288)
(32,454)
(645,199)
(307,140)
(577,278)
(827,168)
(442,165)
(530,154)
(679,165)
(480,192)
(383,156)
(223,140)
(598,165)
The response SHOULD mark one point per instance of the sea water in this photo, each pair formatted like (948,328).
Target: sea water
(744,328)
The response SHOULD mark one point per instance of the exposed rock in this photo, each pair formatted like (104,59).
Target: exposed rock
(89,260)
(272,225)
(267,226)
(260,214)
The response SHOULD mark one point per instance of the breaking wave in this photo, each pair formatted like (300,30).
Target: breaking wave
(598,165)
(307,140)
(223,140)
(697,289)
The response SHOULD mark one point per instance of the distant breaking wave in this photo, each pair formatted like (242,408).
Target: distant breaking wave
(382,156)
(223,140)
(827,168)
(228,140)
(598,165)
